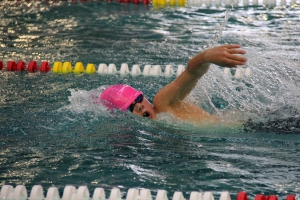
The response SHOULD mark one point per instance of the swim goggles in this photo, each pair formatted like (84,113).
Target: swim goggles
(139,99)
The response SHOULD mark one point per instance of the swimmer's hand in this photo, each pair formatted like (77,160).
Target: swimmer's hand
(225,56)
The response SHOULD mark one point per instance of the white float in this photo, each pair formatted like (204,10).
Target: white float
(145,194)
(20,193)
(111,69)
(161,195)
(102,69)
(180,69)
(156,70)
(69,191)
(196,196)
(52,194)
(225,196)
(238,74)
(99,194)
(135,71)
(147,70)
(208,196)
(6,192)
(169,71)
(37,193)
(132,194)
(248,72)
(124,69)
(83,193)
(178,196)
(115,194)
(227,71)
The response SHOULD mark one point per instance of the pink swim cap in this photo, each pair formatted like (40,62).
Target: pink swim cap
(119,96)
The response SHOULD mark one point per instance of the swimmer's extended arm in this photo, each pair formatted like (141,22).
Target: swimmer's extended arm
(176,91)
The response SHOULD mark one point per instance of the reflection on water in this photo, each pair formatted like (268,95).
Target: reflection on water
(51,136)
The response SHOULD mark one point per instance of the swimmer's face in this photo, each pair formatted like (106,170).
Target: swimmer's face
(143,109)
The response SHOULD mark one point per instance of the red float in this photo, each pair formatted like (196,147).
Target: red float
(32,67)
(21,66)
(1,65)
(126,1)
(260,197)
(290,197)
(11,66)
(146,1)
(44,67)
(136,1)
(242,196)
(272,197)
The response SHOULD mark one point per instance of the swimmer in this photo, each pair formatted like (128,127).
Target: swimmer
(172,97)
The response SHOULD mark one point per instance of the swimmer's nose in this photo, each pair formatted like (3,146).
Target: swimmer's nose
(139,107)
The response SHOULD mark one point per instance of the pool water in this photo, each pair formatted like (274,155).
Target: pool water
(51,134)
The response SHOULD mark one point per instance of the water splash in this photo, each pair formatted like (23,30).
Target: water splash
(82,101)
(217,36)
(268,100)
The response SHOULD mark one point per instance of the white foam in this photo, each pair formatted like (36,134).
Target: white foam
(86,101)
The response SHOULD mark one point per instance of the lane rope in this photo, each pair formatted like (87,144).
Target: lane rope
(70,192)
(111,69)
